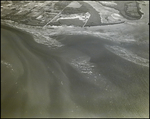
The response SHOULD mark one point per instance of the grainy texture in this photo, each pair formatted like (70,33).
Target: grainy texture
(92,61)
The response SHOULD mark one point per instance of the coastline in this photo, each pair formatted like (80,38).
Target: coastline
(71,72)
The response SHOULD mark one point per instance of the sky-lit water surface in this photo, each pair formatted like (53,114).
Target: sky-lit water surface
(87,77)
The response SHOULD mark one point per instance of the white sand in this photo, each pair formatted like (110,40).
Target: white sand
(74,4)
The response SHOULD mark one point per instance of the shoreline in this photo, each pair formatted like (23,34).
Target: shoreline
(76,69)
(7,26)
(127,16)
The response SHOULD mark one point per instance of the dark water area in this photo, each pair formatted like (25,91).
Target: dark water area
(80,79)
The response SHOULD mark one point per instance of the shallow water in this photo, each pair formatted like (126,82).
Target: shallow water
(81,79)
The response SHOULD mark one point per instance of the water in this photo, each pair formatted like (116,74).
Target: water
(81,79)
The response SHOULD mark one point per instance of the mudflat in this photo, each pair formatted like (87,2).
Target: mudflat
(81,79)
